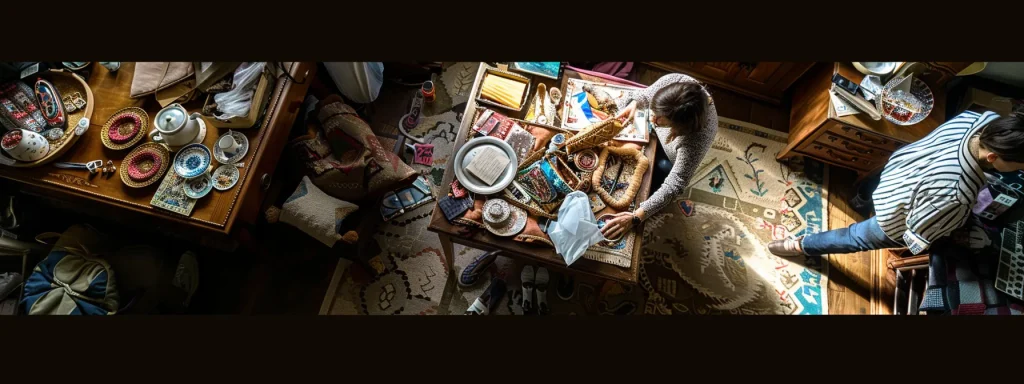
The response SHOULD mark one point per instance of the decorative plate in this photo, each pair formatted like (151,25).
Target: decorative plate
(465,156)
(198,187)
(225,177)
(125,128)
(192,160)
(238,156)
(144,165)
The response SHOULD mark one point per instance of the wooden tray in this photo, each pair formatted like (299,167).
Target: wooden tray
(66,84)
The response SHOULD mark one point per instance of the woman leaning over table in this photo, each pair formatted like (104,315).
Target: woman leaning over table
(681,105)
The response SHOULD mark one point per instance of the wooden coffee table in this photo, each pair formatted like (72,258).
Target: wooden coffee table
(216,213)
(481,239)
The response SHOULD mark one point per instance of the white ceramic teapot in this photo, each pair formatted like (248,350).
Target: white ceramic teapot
(174,126)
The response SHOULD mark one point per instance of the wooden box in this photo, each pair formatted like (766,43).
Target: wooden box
(259,101)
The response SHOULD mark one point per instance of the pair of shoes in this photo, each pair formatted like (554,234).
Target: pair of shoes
(788,247)
(535,282)
(476,268)
(492,295)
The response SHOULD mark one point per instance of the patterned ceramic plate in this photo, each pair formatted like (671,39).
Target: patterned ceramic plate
(225,177)
(224,158)
(192,160)
(198,187)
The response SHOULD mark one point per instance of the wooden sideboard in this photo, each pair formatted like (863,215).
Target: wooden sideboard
(767,81)
(215,214)
(856,141)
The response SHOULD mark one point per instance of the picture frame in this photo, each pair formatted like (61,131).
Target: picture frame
(548,69)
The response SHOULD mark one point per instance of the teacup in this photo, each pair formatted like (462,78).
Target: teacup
(229,145)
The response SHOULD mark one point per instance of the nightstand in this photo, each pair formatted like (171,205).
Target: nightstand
(856,141)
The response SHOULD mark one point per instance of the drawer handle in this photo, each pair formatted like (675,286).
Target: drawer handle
(855,149)
(834,156)
(861,136)
(265,181)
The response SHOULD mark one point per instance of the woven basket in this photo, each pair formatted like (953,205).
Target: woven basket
(165,161)
(623,202)
(594,135)
(143,130)
(66,84)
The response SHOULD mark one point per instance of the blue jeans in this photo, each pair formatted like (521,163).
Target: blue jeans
(863,236)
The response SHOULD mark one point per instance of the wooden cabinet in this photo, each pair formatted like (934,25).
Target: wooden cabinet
(767,81)
(856,141)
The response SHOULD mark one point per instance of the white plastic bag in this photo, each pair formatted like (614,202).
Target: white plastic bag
(576,228)
(237,101)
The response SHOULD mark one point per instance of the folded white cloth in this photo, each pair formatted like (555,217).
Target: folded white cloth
(576,228)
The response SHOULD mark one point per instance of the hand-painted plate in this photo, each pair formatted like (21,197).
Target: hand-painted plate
(225,177)
(192,160)
(198,187)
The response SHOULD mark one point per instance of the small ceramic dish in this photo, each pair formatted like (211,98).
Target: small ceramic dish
(222,157)
(192,160)
(198,187)
(225,177)
(144,165)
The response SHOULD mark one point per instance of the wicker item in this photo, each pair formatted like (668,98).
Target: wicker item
(594,135)
(134,163)
(131,115)
(623,202)
(66,84)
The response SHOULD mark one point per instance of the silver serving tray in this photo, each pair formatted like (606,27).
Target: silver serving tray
(466,155)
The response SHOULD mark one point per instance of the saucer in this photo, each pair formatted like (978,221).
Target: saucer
(225,177)
(192,160)
(502,218)
(238,156)
(199,138)
(198,187)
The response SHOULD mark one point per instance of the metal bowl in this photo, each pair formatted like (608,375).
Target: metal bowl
(469,151)
(901,115)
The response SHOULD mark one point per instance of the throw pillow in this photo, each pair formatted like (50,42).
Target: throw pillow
(318,214)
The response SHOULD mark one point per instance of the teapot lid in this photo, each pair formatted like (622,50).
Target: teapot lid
(171,117)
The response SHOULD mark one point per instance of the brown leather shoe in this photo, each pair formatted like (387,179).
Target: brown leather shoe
(788,247)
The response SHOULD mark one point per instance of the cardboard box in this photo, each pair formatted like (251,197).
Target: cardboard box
(259,99)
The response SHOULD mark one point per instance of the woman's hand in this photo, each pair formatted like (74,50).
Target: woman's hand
(618,225)
(626,114)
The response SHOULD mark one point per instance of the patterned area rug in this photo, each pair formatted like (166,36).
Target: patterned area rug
(705,254)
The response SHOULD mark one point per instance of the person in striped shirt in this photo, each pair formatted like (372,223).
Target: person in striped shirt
(927,188)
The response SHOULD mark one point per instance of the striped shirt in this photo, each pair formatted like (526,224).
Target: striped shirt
(927,188)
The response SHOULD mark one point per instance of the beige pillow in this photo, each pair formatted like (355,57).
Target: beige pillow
(317,214)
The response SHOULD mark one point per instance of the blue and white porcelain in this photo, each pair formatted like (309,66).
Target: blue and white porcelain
(192,160)
(198,187)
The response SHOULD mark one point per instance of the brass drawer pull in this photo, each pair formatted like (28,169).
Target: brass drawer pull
(861,136)
(849,146)
(835,156)
(855,149)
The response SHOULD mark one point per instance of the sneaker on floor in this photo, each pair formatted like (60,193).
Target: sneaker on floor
(476,268)
(488,300)
(788,247)
(526,278)
(186,276)
(566,288)
(541,284)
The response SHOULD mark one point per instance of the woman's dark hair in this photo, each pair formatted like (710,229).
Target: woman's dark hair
(684,104)
(1005,137)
